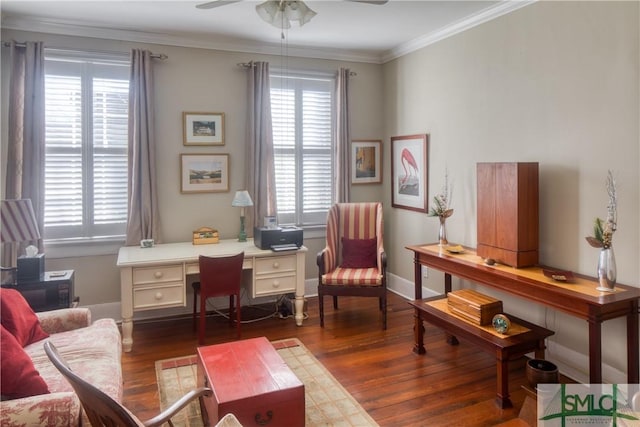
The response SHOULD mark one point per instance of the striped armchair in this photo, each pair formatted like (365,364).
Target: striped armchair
(353,262)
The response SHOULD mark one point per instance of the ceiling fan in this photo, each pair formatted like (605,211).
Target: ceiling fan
(279,13)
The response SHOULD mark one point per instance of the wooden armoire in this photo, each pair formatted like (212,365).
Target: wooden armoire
(508,213)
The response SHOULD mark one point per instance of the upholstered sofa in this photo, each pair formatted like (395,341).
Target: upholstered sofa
(92,349)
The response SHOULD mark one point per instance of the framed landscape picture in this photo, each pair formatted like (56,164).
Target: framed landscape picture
(409,172)
(366,162)
(204,173)
(203,128)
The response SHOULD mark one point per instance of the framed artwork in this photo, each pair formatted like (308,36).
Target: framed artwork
(409,172)
(203,128)
(366,162)
(204,173)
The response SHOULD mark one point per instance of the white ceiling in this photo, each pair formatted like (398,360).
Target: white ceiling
(341,30)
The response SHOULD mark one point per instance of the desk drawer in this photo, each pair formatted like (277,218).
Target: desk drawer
(168,295)
(276,265)
(274,285)
(159,274)
(194,267)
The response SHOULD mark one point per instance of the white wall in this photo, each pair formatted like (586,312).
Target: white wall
(554,83)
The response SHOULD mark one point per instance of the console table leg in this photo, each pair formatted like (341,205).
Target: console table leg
(633,345)
(595,352)
(418,333)
(502,398)
(417,275)
(447,283)
(452,340)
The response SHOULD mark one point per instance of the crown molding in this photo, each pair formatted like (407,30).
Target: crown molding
(69,28)
(493,12)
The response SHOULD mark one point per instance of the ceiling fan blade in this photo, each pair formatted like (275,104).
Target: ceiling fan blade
(376,2)
(215,3)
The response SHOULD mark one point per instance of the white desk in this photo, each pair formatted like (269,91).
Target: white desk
(155,278)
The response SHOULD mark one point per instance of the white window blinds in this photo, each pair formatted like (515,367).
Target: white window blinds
(86,116)
(301,109)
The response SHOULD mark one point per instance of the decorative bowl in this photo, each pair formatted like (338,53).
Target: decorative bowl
(457,249)
(540,371)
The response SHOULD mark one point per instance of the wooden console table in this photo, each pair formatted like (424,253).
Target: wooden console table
(156,277)
(580,299)
(522,338)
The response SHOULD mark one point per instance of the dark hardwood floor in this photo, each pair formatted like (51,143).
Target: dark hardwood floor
(450,385)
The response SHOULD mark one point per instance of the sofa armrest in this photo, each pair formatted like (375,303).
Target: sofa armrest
(65,319)
(62,408)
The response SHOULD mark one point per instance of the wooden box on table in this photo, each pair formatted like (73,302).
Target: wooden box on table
(473,306)
(250,380)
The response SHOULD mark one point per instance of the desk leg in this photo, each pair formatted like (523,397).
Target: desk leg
(633,346)
(126,305)
(418,333)
(595,351)
(299,309)
(300,260)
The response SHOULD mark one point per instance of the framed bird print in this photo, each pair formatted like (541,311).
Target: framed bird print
(409,172)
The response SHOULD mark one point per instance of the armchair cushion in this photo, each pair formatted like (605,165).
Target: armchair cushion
(359,253)
(24,379)
(18,318)
(353,276)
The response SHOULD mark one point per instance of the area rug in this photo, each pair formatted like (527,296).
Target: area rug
(327,403)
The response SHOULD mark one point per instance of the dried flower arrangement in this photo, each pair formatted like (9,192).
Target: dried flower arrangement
(603,230)
(442,200)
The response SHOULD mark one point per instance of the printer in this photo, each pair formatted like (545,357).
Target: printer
(277,238)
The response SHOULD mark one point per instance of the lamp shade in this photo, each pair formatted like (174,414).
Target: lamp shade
(19,222)
(242,199)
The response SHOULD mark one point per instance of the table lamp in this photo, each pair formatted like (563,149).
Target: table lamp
(242,200)
(18,225)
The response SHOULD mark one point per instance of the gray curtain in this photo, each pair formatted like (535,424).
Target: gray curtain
(25,151)
(342,136)
(144,220)
(261,182)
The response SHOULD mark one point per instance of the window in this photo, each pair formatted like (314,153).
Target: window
(302,111)
(86,127)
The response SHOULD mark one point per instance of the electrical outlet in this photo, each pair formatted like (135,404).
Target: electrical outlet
(425,272)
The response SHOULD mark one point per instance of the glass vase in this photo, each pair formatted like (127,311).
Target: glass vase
(442,232)
(606,270)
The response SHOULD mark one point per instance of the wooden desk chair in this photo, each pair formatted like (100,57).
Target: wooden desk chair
(353,262)
(102,410)
(219,276)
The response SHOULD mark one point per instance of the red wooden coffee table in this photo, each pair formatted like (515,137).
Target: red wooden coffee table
(250,380)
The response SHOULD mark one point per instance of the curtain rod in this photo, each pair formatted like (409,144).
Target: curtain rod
(161,56)
(251,65)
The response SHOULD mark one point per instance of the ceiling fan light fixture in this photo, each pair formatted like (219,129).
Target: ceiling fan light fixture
(298,11)
(280,13)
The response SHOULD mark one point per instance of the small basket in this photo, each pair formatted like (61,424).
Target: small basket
(205,236)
